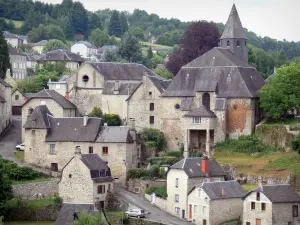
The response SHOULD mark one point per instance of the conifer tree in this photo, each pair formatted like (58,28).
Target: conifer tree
(115,25)
(124,23)
(4,56)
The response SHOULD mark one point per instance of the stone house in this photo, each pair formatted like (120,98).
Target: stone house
(38,47)
(18,99)
(183,176)
(272,205)
(72,60)
(86,178)
(60,86)
(49,142)
(5,105)
(58,104)
(84,48)
(12,39)
(212,203)
(18,64)
(31,60)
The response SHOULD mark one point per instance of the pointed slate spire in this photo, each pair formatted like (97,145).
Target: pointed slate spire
(233,27)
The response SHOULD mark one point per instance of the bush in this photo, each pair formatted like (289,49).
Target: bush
(112,119)
(164,160)
(140,173)
(23,173)
(58,201)
(296,144)
(159,191)
(175,153)
(96,112)
(153,138)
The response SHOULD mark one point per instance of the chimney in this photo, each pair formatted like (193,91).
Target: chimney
(67,95)
(78,152)
(85,120)
(25,99)
(116,88)
(204,164)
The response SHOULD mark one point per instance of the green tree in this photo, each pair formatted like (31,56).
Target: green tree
(54,45)
(4,56)
(281,58)
(115,25)
(94,22)
(150,53)
(99,37)
(112,119)
(96,112)
(5,188)
(111,56)
(130,49)
(156,59)
(124,22)
(79,18)
(55,32)
(153,138)
(164,73)
(282,93)
(139,33)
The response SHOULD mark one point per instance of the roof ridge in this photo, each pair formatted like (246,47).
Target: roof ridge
(48,93)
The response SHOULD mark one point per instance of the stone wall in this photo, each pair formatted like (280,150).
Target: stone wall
(139,186)
(159,202)
(27,191)
(134,221)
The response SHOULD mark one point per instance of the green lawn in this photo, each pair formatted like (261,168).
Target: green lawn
(32,181)
(292,121)
(155,45)
(19,155)
(34,204)
(29,223)
(18,24)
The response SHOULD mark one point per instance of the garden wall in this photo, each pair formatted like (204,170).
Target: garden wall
(30,190)
(159,202)
(139,186)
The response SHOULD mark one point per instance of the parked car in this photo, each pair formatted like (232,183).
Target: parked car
(20,147)
(139,213)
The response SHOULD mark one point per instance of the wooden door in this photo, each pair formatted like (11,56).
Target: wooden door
(190,212)
(258,221)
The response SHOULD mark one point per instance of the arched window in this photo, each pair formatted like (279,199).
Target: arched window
(238,44)
(228,43)
(206,100)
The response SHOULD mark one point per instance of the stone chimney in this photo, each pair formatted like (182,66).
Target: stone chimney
(67,95)
(205,164)
(132,128)
(85,120)
(78,152)
(116,88)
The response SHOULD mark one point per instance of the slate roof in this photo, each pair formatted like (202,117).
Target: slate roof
(4,83)
(7,34)
(38,118)
(31,57)
(40,43)
(52,94)
(233,27)
(278,193)
(159,83)
(120,71)
(202,111)
(112,134)
(71,129)
(86,43)
(125,88)
(192,167)
(30,95)
(220,70)
(17,89)
(231,189)
(64,78)
(61,55)
(65,215)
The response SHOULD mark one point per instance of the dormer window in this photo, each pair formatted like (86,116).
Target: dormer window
(238,44)
(228,43)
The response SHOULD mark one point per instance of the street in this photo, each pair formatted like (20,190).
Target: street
(156,214)
(10,138)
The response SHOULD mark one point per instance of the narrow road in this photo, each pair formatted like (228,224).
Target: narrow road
(156,214)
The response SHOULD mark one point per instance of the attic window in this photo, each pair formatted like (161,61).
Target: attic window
(85,78)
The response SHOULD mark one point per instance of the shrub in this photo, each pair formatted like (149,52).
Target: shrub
(112,119)
(152,173)
(153,138)
(159,191)
(296,143)
(164,160)
(23,173)
(96,112)
(175,153)
(58,201)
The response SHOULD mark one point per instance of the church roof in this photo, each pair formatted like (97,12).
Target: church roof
(233,27)
(221,71)
(202,111)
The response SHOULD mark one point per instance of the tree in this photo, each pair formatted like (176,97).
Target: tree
(4,56)
(96,112)
(115,25)
(281,58)
(79,18)
(139,33)
(5,188)
(112,119)
(130,49)
(156,59)
(99,37)
(199,38)
(164,73)
(111,56)
(282,93)
(94,22)
(55,32)
(124,23)
(150,53)
(53,45)
(46,32)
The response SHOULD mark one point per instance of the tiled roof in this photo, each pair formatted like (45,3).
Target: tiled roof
(52,94)
(61,55)
(112,134)
(202,111)
(233,27)
(192,167)
(38,118)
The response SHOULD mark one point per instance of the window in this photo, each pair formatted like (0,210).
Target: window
(43,103)
(206,100)
(151,119)
(150,93)
(16,97)
(252,205)
(204,222)
(108,188)
(105,150)
(228,43)
(196,119)
(91,150)
(85,78)
(147,185)
(52,149)
(295,211)
(248,223)
(177,106)
(151,106)
(54,167)
(101,189)
(196,209)
(177,210)
(176,182)
(176,198)
(263,206)
(33,132)
(257,196)
(238,44)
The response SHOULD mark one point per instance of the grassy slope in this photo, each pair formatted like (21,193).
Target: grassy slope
(18,24)
(35,204)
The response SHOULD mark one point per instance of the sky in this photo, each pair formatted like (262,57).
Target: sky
(277,19)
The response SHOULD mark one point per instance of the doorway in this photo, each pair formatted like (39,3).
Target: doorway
(258,221)
(183,214)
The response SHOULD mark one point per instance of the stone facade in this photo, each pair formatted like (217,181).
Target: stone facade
(18,64)
(5,105)
(139,186)
(17,98)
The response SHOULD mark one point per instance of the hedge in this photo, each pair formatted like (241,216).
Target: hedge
(159,191)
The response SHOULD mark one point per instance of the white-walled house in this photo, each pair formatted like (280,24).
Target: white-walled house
(212,203)
(183,176)
(84,49)
(87,179)
(272,205)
